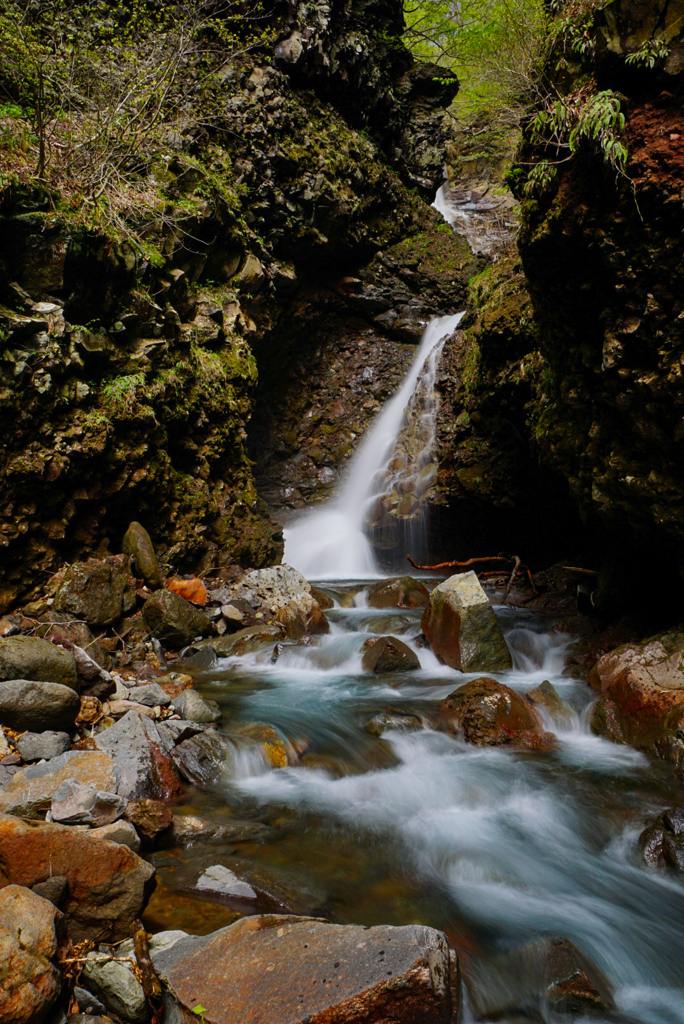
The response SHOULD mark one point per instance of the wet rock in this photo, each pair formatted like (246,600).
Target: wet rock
(287,969)
(151,695)
(222,881)
(641,700)
(243,641)
(173,683)
(201,759)
(108,884)
(192,707)
(38,746)
(176,731)
(392,720)
(462,629)
(96,591)
(387,654)
(137,544)
(285,595)
(118,832)
(117,987)
(31,790)
(489,714)
(662,844)
(274,746)
(53,889)
(401,592)
(30,657)
(324,600)
(546,696)
(192,589)
(150,818)
(29,982)
(76,804)
(187,828)
(140,754)
(173,620)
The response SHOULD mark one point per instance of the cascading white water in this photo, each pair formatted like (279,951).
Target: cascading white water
(331,543)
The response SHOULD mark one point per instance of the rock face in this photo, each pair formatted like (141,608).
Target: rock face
(173,620)
(285,597)
(31,790)
(489,714)
(108,884)
(641,696)
(296,969)
(137,543)
(27,657)
(462,629)
(141,756)
(97,592)
(29,982)
(25,704)
(387,654)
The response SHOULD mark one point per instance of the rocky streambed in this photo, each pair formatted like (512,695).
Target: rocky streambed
(371,801)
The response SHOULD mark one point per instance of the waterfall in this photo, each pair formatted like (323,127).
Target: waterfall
(331,542)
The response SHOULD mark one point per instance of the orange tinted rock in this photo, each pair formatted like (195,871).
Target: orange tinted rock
(192,590)
(108,884)
(462,629)
(29,982)
(287,970)
(150,817)
(30,791)
(402,592)
(489,714)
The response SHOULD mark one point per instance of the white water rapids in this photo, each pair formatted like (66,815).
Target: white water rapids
(331,542)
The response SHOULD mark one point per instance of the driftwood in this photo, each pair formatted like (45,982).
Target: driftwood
(493,565)
(149,979)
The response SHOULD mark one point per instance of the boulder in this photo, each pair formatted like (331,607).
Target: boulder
(96,591)
(31,790)
(288,970)
(187,828)
(488,714)
(176,730)
(117,987)
(400,592)
(283,595)
(61,628)
(662,843)
(392,720)
(173,620)
(29,657)
(30,983)
(140,754)
(546,697)
(462,629)
(137,544)
(109,885)
(151,695)
(53,889)
(387,654)
(641,698)
(118,832)
(275,748)
(76,804)
(39,746)
(192,707)
(221,881)
(200,760)
(243,641)
(150,818)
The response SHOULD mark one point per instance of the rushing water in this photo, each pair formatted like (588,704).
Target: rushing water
(332,542)
(493,846)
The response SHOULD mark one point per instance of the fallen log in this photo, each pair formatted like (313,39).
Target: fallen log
(508,565)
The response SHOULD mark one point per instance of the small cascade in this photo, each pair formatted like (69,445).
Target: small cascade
(487,222)
(333,542)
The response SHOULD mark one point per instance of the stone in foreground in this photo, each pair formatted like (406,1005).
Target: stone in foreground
(487,713)
(36,706)
(462,629)
(31,790)
(287,970)
(29,657)
(387,654)
(117,987)
(29,981)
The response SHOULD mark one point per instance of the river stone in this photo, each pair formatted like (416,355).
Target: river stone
(150,818)
(175,731)
(29,657)
(462,629)
(109,885)
(96,591)
(118,832)
(36,706)
(173,620)
(387,654)
(662,843)
(140,754)
(29,982)
(284,594)
(201,760)
(31,790)
(547,697)
(116,986)
(289,970)
(391,720)
(76,804)
(400,592)
(187,828)
(192,707)
(137,543)
(489,714)
(243,641)
(87,1002)
(151,695)
(224,882)
(38,746)
(60,628)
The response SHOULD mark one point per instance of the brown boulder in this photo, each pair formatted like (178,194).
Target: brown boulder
(108,884)
(462,629)
(96,591)
(489,714)
(29,982)
(401,592)
(662,843)
(641,698)
(29,657)
(150,817)
(173,620)
(287,970)
(387,654)
(137,544)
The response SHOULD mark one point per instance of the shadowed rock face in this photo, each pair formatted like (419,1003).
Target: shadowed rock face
(291,970)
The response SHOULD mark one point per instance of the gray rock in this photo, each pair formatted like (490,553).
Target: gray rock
(177,731)
(191,706)
(29,793)
(151,695)
(37,706)
(397,721)
(158,942)
(141,755)
(189,827)
(121,832)
(173,620)
(224,882)
(29,657)
(76,804)
(53,889)
(117,987)
(38,746)
(138,544)
(242,642)
(87,1002)
(96,591)
(462,629)
(201,759)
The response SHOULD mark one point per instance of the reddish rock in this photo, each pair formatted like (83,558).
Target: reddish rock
(192,590)
(288,970)
(387,654)
(462,629)
(641,698)
(108,884)
(402,592)
(140,755)
(150,817)
(489,714)
(29,982)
